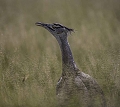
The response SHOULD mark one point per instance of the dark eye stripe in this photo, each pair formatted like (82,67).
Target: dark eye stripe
(51,28)
(57,25)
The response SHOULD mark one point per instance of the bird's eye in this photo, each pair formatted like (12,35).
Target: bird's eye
(58,28)
(55,26)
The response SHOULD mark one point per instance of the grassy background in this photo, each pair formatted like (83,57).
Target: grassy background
(30,59)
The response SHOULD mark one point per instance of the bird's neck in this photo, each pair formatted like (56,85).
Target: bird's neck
(67,57)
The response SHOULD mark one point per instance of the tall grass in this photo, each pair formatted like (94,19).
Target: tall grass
(30,60)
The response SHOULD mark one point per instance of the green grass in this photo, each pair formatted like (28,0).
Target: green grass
(30,59)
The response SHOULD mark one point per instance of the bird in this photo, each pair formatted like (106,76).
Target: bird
(74,86)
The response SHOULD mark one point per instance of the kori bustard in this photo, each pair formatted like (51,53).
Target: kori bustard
(74,86)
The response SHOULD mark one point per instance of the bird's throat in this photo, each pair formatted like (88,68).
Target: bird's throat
(67,57)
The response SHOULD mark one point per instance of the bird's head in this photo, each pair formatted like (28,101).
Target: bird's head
(57,30)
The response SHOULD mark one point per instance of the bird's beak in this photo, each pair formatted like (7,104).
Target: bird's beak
(45,25)
(40,24)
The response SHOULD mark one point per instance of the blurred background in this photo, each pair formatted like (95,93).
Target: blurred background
(30,58)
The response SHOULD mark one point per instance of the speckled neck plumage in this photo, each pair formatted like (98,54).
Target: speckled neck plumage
(67,57)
